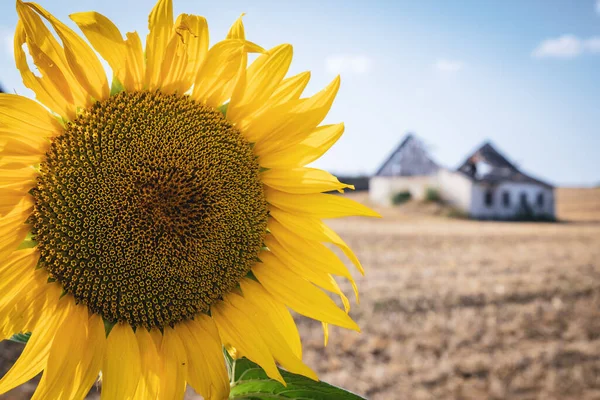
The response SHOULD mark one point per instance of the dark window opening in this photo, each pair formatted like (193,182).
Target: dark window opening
(489,198)
(540,199)
(506,199)
(524,199)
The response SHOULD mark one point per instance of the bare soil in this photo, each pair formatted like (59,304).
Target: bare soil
(459,309)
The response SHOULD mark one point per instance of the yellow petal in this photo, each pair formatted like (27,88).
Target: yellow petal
(268,331)
(44,89)
(296,118)
(196,29)
(50,59)
(18,162)
(224,65)
(174,366)
(121,368)
(18,179)
(314,229)
(184,54)
(26,120)
(173,66)
(75,357)
(106,39)
(149,384)
(15,265)
(81,58)
(325,333)
(262,78)
(322,279)
(23,305)
(34,356)
(93,355)
(237,29)
(49,56)
(235,329)
(275,311)
(20,260)
(311,252)
(13,228)
(160,24)
(136,67)
(9,198)
(17,148)
(318,205)
(302,180)
(290,154)
(299,294)
(289,89)
(206,370)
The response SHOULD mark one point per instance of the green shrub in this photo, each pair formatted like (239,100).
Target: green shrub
(401,197)
(432,195)
(457,213)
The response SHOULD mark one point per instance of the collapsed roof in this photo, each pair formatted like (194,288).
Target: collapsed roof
(488,166)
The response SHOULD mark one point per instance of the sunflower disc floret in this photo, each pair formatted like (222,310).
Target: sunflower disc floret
(148,208)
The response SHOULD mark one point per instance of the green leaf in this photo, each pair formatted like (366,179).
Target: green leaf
(21,337)
(250,382)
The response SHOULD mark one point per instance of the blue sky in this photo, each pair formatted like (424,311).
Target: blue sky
(523,74)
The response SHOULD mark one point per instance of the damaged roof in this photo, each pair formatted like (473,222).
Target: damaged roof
(488,166)
(410,158)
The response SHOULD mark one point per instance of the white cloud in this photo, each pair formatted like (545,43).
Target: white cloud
(593,44)
(348,64)
(566,46)
(448,66)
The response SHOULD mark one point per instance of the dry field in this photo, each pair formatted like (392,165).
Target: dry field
(471,310)
(456,309)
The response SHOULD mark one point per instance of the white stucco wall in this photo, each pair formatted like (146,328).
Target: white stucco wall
(455,189)
(499,210)
(382,188)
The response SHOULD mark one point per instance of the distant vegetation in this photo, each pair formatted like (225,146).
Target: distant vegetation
(456,213)
(432,195)
(401,197)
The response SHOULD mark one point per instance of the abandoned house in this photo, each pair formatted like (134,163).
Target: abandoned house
(485,186)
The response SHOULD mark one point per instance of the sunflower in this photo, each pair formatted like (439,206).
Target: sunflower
(148,223)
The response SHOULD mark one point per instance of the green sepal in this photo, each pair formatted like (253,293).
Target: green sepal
(250,275)
(27,244)
(224,108)
(108,326)
(21,337)
(250,382)
(61,120)
(116,87)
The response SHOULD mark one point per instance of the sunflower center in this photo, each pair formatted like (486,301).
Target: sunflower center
(149,207)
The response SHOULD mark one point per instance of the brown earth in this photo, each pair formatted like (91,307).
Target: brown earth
(462,309)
